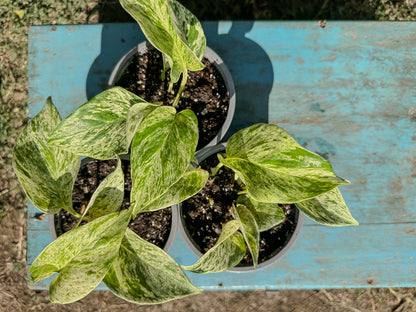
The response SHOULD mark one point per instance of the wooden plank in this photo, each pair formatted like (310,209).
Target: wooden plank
(345,91)
(321,258)
(332,258)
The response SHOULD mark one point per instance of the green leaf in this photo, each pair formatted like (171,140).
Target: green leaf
(226,253)
(98,128)
(46,173)
(109,195)
(145,274)
(275,168)
(190,183)
(249,229)
(171,29)
(328,209)
(267,215)
(135,116)
(161,151)
(82,257)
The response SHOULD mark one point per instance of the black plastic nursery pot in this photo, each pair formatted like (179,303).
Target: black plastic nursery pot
(157,227)
(202,216)
(209,93)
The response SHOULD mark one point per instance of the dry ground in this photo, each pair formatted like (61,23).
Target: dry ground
(15,296)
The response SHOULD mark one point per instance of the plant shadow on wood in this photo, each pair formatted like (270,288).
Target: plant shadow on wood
(251,69)
(250,66)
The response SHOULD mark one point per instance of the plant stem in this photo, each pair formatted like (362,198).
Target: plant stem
(215,170)
(182,86)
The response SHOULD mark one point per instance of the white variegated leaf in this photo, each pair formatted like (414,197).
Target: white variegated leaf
(226,253)
(161,151)
(275,168)
(328,209)
(135,116)
(98,128)
(267,215)
(47,173)
(145,274)
(171,29)
(249,229)
(109,195)
(82,257)
(190,183)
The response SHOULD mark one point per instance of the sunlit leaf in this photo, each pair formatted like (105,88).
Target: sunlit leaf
(98,128)
(267,215)
(328,209)
(82,257)
(161,152)
(276,169)
(249,229)
(226,253)
(136,115)
(109,195)
(145,274)
(190,183)
(46,173)
(173,30)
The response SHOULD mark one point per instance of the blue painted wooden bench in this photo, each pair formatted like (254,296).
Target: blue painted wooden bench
(346,91)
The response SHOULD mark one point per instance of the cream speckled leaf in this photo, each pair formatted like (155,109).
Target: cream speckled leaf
(109,195)
(226,253)
(145,274)
(190,183)
(135,116)
(181,39)
(81,256)
(267,215)
(98,128)
(46,173)
(328,209)
(275,168)
(161,151)
(249,229)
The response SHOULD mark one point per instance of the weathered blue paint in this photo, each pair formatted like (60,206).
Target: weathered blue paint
(346,91)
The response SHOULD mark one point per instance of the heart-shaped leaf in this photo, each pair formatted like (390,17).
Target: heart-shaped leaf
(46,173)
(267,215)
(226,253)
(82,257)
(98,128)
(173,30)
(190,183)
(328,209)
(161,151)
(249,229)
(145,274)
(109,195)
(275,168)
(135,116)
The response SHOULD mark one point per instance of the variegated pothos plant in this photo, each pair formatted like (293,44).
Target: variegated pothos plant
(274,169)
(46,159)
(175,32)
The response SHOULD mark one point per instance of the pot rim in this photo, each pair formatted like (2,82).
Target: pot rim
(214,59)
(200,156)
(174,221)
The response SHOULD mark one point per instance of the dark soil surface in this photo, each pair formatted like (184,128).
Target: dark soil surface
(205,92)
(205,213)
(153,226)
